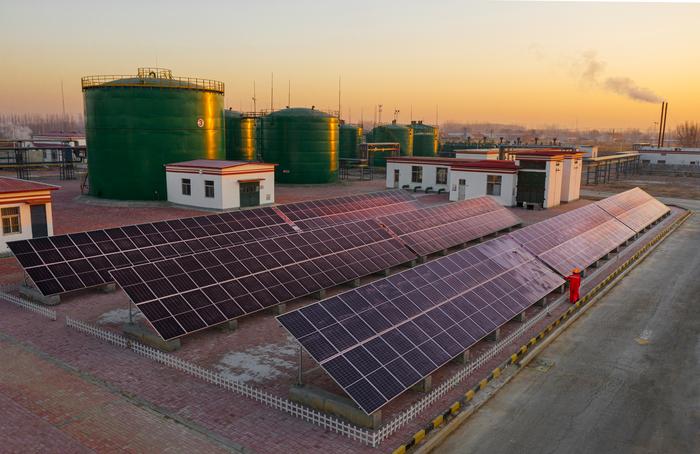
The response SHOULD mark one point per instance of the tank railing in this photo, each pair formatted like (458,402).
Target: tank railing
(185,83)
(264,112)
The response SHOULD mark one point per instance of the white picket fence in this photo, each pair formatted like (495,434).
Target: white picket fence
(307,414)
(39,309)
(370,437)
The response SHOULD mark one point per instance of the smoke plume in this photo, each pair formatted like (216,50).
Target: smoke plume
(592,70)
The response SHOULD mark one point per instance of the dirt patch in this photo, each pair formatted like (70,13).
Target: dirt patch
(656,185)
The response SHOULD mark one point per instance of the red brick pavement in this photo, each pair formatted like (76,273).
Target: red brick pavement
(49,408)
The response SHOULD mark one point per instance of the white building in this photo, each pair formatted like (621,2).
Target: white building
(676,156)
(461,178)
(494,178)
(480,153)
(220,185)
(571,177)
(548,177)
(25,209)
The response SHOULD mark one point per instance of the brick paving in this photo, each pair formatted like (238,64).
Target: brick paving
(259,339)
(49,408)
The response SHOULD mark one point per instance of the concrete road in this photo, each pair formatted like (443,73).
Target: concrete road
(624,378)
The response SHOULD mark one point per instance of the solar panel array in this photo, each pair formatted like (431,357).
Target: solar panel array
(322,213)
(429,230)
(380,339)
(575,239)
(63,263)
(634,208)
(183,295)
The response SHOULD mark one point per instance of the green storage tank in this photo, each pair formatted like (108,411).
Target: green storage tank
(134,125)
(391,133)
(350,140)
(425,139)
(304,144)
(240,136)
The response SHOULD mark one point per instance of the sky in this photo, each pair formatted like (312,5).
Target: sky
(570,64)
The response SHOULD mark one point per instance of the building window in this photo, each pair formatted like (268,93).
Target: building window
(646,161)
(661,161)
(208,188)
(493,184)
(441,175)
(416,174)
(186,186)
(10,221)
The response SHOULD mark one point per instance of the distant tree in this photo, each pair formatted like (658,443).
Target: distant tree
(688,134)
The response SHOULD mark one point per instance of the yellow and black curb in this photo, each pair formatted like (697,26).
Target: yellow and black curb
(515,358)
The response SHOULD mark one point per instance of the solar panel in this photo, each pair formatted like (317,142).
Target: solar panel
(378,340)
(183,295)
(575,239)
(321,213)
(634,208)
(428,230)
(63,263)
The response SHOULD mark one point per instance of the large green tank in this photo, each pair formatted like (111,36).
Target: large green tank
(350,140)
(425,139)
(304,144)
(391,133)
(134,125)
(240,136)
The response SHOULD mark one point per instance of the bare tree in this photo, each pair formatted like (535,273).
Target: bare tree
(688,134)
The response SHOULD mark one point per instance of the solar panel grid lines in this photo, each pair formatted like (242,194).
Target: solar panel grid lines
(187,294)
(351,216)
(429,230)
(587,248)
(378,340)
(635,208)
(301,211)
(575,239)
(64,263)
(544,235)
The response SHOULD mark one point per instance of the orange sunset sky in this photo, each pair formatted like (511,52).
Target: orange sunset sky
(534,63)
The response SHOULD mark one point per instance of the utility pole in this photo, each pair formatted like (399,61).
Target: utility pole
(339,109)
(63,106)
(255,99)
(289,93)
(272,92)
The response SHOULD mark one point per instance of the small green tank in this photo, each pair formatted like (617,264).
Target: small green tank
(425,139)
(391,133)
(350,140)
(303,142)
(240,136)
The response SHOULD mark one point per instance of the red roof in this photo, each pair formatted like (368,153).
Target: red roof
(215,164)
(490,164)
(8,185)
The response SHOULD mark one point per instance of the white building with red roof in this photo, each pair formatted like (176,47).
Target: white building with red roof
(220,185)
(460,178)
(25,210)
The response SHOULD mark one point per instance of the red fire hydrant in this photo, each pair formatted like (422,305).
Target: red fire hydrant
(574,285)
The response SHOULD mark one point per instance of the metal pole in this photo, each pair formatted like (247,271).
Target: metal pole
(131,315)
(300,377)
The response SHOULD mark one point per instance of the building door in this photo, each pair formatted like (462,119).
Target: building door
(39,226)
(531,187)
(250,194)
(396,178)
(462,189)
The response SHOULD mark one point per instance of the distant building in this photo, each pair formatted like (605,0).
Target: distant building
(220,185)
(676,156)
(25,209)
